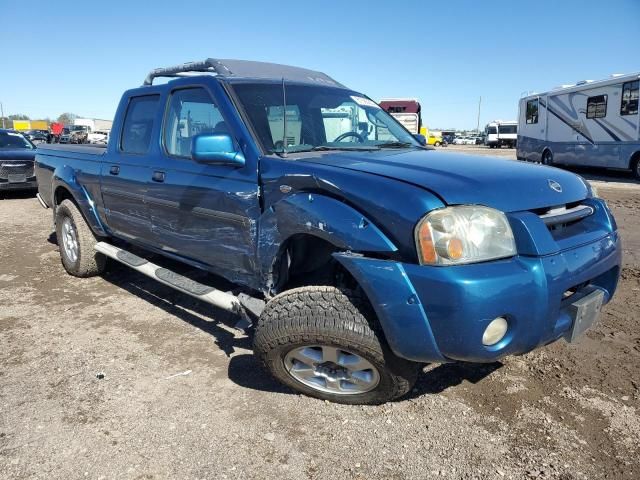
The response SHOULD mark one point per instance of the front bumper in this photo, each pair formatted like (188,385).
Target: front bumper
(438,314)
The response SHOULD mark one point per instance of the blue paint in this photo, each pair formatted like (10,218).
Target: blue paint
(216,149)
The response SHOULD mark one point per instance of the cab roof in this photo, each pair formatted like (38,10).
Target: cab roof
(238,69)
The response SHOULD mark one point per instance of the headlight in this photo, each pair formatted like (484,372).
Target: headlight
(464,234)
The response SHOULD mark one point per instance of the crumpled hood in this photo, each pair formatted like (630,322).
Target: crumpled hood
(17,154)
(503,184)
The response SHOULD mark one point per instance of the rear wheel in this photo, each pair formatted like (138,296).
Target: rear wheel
(318,341)
(547,157)
(77,242)
(636,167)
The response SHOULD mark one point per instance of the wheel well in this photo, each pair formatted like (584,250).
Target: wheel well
(62,194)
(306,260)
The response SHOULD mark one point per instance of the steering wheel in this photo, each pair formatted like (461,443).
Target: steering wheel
(341,137)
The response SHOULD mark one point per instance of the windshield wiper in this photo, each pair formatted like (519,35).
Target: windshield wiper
(322,148)
(395,145)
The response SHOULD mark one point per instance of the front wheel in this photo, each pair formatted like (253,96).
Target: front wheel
(318,341)
(547,157)
(636,168)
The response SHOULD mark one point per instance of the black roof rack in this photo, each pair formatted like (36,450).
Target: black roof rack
(243,68)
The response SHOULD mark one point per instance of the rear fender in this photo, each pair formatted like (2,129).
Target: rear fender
(65,177)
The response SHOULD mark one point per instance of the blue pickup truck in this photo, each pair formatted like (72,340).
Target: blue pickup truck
(359,253)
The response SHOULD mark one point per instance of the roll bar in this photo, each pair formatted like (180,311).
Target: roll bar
(210,65)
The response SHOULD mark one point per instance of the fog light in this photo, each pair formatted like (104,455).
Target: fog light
(495,331)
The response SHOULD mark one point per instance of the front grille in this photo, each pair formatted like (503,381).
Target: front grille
(561,216)
(15,167)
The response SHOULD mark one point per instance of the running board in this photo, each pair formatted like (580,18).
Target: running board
(210,295)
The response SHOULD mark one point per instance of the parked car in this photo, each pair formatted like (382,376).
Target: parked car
(359,256)
(435,140)
(79,134)
(99,137)
(65,135)
(37,136)
(17,154)
(466,140)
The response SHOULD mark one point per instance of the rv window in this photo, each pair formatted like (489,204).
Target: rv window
(505,129)
(532,111)
(629,104)
(597,106)
(492,130)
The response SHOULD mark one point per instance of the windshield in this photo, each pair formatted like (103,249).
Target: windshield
(13,140)
(78,128)
(318,118)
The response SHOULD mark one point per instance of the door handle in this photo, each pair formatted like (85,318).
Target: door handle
(158,177)
(114,170)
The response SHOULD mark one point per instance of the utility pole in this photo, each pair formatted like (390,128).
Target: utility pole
(478,124)
(2,114)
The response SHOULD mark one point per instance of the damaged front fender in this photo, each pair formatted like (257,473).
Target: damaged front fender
(320,216)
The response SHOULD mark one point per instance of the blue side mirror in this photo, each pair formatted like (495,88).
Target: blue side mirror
(420,138)
(215,148)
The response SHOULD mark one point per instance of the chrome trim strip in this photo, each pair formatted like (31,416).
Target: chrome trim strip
(566,215)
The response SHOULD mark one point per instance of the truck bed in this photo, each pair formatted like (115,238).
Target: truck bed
(83,160)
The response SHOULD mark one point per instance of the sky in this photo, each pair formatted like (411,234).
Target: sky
(79,57)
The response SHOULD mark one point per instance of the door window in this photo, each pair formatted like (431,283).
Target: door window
(138,124)
(191,112)
(532,111)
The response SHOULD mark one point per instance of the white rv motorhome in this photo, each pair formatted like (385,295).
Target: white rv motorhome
(590,123)
(499,133)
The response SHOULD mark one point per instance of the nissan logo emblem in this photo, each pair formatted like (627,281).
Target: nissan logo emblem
(553,185)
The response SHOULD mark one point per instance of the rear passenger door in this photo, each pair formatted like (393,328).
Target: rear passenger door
(126,173)
(200,211)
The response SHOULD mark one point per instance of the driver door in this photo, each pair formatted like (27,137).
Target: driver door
(204,212)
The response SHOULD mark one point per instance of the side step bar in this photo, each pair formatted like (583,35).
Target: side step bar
(223,300)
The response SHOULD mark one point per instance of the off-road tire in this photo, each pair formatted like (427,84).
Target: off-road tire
(89,262)
(324,315)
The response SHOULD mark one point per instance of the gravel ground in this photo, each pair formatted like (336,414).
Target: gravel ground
(120,377)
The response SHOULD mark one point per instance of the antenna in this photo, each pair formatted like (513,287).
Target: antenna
(284,119)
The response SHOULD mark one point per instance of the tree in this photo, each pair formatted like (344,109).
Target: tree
(67,118)
(18,116)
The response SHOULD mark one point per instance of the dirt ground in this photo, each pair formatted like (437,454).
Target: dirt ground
(120,377)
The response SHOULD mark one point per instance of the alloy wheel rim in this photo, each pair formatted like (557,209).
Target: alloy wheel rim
(331,369)
(69,240)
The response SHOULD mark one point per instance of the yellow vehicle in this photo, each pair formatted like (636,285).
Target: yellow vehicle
(435,139)
(39,125)
(21,125)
